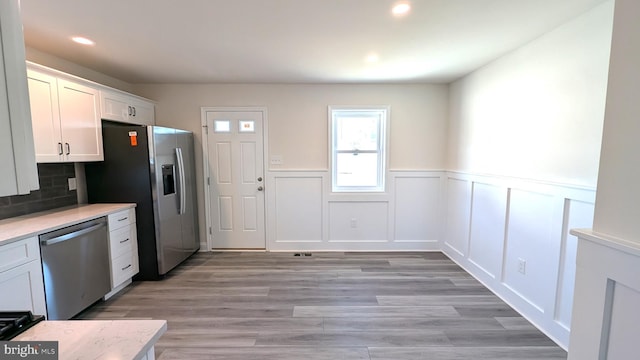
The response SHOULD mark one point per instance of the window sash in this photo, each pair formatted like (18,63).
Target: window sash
(380,115)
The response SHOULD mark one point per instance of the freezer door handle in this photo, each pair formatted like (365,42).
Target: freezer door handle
(181,178)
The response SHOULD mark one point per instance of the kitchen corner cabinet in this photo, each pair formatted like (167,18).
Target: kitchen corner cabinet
(123,249)
(17,158)
(126,108)
(21,282)
(66,119)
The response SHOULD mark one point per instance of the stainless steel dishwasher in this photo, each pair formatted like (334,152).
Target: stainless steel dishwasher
(75,266)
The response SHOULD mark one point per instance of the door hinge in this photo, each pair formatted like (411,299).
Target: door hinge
(208,181)
(209,230)
(206,129)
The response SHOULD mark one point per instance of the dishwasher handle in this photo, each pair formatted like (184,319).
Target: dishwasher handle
(72,235)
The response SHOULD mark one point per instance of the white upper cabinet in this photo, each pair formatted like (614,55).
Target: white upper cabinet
(66,119)
(17,158)
(126,108)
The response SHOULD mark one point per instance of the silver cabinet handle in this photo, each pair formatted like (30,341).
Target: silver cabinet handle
(60,150)
(68,148)
(123,219)
(124,241)
(126,267)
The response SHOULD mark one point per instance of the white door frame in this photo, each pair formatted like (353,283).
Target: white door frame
(207,174)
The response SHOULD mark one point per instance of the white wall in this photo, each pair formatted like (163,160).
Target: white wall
(617,210)
(537,112)
(524,142)
(298,120)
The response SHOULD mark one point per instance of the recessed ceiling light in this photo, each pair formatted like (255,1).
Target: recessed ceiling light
(372,58)
(83,40)
(401,9)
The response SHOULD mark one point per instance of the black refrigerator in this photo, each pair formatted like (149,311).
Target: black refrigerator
(153,167)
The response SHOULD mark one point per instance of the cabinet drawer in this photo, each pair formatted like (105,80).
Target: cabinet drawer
(18,253)
(122,240)
(123,268)
(121,218)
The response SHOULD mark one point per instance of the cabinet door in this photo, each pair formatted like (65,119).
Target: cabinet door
(22,289)
(143,113)
(114,106)
(45,115)
(17,157)
(80,121)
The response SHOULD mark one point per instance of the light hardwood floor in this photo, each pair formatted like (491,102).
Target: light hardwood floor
(327,306)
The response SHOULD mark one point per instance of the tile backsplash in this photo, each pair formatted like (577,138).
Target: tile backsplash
(54,192)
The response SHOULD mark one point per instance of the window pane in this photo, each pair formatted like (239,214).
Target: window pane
(247,126)
(357,170)
(357,132)
(222,126)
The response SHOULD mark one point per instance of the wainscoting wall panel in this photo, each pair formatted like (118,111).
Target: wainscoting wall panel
(304,215)
(488,209)
(417,211)
(518,240)
(531,246)
(458,216)
(297,208)
(578,215)
(358,221)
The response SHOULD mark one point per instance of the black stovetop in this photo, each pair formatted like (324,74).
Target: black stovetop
(16,322)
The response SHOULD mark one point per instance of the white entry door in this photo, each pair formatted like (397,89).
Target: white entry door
(236,179)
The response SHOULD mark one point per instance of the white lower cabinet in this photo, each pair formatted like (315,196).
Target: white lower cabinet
(123,249)
(21,283)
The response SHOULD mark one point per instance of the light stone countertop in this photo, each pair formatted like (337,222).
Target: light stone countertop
(20,227)
(98,339)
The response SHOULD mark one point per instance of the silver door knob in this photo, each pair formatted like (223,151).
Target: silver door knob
(260,179)
(260,188)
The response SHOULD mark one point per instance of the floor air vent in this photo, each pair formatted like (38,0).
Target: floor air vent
(302,254)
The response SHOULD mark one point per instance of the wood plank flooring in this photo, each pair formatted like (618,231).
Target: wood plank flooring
(328,306)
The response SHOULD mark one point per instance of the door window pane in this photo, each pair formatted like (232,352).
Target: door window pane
(247,126)
(222,126)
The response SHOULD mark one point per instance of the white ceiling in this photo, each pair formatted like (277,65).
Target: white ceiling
(289,41)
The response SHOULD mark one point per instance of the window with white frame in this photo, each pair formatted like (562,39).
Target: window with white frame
(358,142)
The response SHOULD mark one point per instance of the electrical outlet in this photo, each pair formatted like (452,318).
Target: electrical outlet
(276,160)
(354,223)
(72,184)
(522,266)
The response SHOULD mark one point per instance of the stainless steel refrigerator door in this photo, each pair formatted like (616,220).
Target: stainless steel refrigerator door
(189,217)
(166,205)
